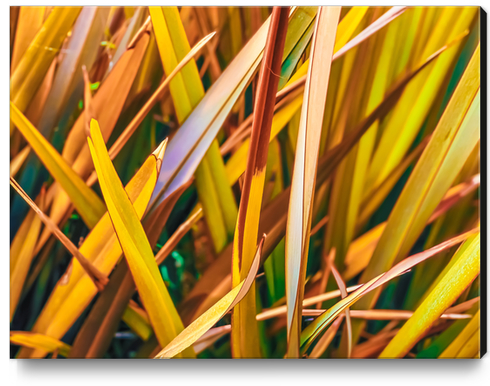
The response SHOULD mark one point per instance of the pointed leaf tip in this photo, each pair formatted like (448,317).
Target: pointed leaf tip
(159,152)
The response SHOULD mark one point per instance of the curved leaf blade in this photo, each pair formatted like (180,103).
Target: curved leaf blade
(137,250)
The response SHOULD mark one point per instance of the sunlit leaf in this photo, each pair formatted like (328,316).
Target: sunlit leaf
(452,142)
(88,204)
(39,341)
(161,310)
(304,176)
(310,333)
(101,246)
(35,62)
(465,266)
(202,324)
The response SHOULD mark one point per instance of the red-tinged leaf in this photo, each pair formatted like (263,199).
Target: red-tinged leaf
(187,148)
(202,324)
(99,279)
(311,332)
(245,341)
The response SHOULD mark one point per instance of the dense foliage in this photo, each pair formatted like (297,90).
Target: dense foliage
(245,182)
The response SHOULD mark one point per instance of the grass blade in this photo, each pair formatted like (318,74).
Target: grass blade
(99,279)
(36,61)
(464,269)
(39,341)
(21,254)
(187,91)
(303,184)
(100,326)
(457,344)
(30,20)
(310,333)
(68,300)
(136,121)
(161,310)
(18,160)
(188,146)
(202,324)
(87,203)
(452,142)
(244,327)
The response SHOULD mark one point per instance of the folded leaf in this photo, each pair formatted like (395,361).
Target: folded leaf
(202,324)
(69,299)
(39,341)
(161,310)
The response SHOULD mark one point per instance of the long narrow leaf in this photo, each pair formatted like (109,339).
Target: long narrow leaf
(135,245)
(304,176)
(244,327)
(452,142)
(70,297)
(88,204)
(202,324)
(463,271)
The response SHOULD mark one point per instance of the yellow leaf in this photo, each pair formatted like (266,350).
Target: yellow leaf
(238,161)
(457,344)
(87,203)
(137,250)
(21,254)
(186,88)
(464,270)
(453,140)
(29,22)
(99,279)
(348,25)
(207,320)
(106,106)
(39,341)
(18,160)
(244,334)
(312,331)
(69,299)
(35,62)
(419,97)
(138,321)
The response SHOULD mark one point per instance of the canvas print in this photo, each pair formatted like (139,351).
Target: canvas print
(246,182)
